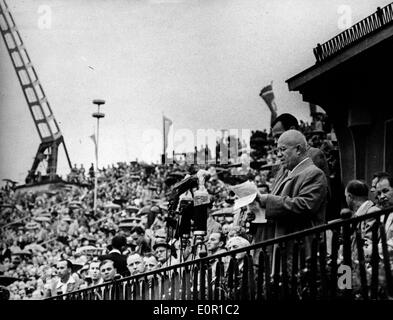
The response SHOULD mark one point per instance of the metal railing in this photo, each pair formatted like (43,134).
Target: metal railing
(367,26)
(305,265)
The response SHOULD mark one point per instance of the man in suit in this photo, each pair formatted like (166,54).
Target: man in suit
(384,195)
(298,198)
(356,195)
(119,242)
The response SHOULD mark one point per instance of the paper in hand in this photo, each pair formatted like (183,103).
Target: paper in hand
(247,192)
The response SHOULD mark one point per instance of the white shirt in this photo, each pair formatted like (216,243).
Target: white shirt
(362,207)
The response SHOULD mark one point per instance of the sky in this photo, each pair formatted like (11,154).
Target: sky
(201,63)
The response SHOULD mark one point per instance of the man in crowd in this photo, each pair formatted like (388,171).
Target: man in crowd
(237,243)
(66,281)
(108,270)
(139,241)
(135,263)
(163,252)
(150,261)
(298,198)
(216,243)
(384,194)
(376,177)
(119,242)
(94,273)
(356,195)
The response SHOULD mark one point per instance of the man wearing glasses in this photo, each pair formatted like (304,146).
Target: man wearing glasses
(298,199)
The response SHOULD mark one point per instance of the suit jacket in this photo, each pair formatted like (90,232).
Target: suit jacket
(298,200)
(318,157)
(367,225)
(119,261)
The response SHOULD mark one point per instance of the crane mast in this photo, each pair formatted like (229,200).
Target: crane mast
(43,117)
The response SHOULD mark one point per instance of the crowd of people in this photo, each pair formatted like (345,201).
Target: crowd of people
(59,241)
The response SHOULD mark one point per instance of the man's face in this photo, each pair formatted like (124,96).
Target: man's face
(136,238)
(108,271)
(213,243)
(162,254)
(384,193)
(151,263)
(94,270)
(135,264)
(62,269)
(287,155)
(277,130)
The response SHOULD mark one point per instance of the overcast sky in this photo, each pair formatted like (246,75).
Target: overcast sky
(200,62)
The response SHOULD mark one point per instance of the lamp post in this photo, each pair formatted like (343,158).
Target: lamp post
(98,115)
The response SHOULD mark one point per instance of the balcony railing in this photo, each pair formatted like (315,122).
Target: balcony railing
(365,27)
(330,261)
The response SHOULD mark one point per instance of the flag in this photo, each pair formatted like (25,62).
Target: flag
(166,126)
(268,96)
(93,137)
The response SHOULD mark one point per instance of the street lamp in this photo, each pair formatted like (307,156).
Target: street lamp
(98,115)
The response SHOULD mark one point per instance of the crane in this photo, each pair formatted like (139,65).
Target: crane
(45,122)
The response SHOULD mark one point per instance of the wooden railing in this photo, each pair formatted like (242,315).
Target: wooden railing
(357,32)
(330,261)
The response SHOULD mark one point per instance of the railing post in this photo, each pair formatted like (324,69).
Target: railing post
(276,272)
(195,284)
(374,261)
(209,282)
(284,271)
(251,278)
(386,262)
(218,290)
(334,256)
(313,268)
(261,275)
(202,281)
(347,253)
(295,271)
(380,16)
(322,267)
(244,283)
(362,265)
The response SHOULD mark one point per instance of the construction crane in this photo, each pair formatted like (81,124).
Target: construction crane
(44,119)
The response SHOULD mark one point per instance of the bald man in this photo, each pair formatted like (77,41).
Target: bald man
(298,199)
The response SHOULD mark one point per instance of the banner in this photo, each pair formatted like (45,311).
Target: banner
(268,96)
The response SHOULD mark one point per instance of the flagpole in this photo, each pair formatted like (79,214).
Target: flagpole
(163,139)
(97,115)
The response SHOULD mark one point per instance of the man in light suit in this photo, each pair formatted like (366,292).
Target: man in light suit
(298,198)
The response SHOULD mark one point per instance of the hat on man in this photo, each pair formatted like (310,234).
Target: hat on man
(162,243)
(228,211)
